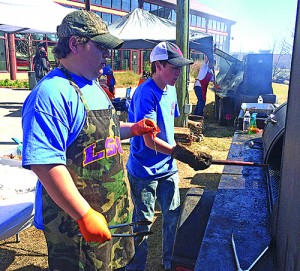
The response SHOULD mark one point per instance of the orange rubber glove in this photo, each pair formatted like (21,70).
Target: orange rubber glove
(144,126)
(93,227)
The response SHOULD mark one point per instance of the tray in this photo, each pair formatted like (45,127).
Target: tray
(261,108)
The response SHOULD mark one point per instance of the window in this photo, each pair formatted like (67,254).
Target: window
(221,39)
(173,15)
(115,18)
(106,18)
(116,4)
(125,60)
(2,53)
(147,6)
(96,2)
(198,23)
(23,46)
(98,13)
(154,9)
(106,3)
(225,28)
(214,37)
(168,13)
(146,61)
(134,4)
(214,25)
(193,20)
(116,60)
(203,23)
(161,11)
(126,5)
(209,26)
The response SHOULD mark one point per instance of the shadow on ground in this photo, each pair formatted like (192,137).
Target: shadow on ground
(15,109)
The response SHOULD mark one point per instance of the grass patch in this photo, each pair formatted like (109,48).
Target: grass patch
(281,91)
(126,79)
(14,83)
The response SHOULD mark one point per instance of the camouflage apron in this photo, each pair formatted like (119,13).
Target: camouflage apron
(95,164)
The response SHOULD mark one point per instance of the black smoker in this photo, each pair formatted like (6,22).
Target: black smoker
(241,82)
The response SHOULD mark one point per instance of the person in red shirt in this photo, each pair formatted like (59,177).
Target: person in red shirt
(201,83)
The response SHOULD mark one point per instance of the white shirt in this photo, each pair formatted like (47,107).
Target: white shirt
(202,73)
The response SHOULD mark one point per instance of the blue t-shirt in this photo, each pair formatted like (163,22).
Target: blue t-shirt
(53,115)
(149,101)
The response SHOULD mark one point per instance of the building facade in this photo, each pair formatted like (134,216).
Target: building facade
(201,18)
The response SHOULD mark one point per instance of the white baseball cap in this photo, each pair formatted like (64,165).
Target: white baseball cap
(169,51)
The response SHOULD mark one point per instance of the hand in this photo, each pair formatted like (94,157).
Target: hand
(144,126)
(93,227)
(196,160)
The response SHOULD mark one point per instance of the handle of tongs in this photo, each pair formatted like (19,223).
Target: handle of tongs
(137,223)
(135,234)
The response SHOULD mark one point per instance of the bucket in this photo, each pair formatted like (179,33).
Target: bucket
(31,79)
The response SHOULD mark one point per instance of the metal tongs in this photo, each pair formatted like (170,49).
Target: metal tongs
(131,224)
(237,262)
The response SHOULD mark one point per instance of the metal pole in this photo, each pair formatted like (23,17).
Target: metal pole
(238,163)
(87,5)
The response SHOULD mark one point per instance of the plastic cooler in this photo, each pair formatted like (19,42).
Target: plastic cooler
(17,193)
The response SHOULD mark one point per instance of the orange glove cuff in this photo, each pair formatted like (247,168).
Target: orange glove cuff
(93,227)
(144,126)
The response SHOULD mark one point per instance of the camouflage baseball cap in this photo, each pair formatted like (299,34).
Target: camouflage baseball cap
(85,23)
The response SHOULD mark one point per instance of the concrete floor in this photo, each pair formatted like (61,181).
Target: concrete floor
(11,102)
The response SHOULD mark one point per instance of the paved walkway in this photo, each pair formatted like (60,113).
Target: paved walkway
(11,102)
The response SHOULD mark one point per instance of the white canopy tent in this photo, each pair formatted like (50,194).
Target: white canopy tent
(31,16)
(143,30)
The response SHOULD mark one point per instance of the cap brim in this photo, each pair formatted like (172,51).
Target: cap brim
(180,61)
(108,41)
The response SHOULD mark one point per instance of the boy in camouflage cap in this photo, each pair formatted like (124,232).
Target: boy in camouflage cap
(72,141)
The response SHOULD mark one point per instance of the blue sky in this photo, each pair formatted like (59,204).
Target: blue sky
(259,22)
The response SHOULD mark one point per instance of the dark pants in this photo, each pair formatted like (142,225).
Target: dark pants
(200,103)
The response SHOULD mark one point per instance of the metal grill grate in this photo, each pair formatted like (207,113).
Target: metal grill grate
(274,175)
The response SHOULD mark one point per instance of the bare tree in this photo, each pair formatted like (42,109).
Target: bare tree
(282,52)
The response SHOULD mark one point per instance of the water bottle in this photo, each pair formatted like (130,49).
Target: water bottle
(246,121)
(260,99)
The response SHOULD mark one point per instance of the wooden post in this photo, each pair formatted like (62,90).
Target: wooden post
(182,40)
(12,57)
